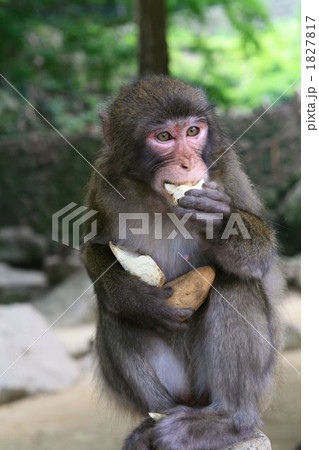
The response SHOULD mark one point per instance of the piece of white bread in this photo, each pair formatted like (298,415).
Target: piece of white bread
(177,191)
(156,416)
(142,266)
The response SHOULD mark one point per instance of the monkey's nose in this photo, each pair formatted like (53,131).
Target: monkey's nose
(186,163)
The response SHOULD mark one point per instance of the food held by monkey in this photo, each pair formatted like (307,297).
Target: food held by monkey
(177,191)
(142,266)
(156,416)
(189,290)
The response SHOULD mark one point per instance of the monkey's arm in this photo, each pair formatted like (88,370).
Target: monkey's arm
(247,254)
(126,296)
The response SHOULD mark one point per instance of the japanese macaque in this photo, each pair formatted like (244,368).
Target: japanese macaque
(208,371)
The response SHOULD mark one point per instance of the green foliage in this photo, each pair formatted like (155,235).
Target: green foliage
(246,16)
(235,75)
(65,58)
(69,57)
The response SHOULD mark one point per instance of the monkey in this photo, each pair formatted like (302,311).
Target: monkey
(210,371)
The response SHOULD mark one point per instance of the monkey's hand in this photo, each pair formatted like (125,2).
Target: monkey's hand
(206,205)
(247,253)
(126,296)
(158,314)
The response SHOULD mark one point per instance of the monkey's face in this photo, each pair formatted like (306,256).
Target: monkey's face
(179,145)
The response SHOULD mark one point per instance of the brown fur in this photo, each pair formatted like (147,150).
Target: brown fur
(152,360)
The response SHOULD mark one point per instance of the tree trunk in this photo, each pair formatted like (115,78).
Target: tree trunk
(151,21)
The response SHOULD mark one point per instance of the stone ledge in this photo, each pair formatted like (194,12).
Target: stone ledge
(257,442)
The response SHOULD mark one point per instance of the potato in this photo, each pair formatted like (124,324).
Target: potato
(191,289)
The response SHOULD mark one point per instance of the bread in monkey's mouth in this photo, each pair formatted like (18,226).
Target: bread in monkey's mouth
(177,191)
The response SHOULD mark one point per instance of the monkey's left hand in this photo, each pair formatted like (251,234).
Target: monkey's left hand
(203,203)
(210,199)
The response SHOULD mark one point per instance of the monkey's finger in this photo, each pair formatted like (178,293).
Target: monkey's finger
(210,185)
(168,291)
(184,314)
(168,325)
(181,211)
(213,194)
(204,204)
(174,319)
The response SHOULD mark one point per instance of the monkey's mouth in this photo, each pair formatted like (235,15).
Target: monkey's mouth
(177,190)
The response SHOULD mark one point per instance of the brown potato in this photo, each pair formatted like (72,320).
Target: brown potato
(191,289)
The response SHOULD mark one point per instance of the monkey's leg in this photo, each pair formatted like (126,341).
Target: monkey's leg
(233,359)
(143,372)
(126,357)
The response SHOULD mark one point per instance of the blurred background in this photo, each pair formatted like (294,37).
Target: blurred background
(67,59)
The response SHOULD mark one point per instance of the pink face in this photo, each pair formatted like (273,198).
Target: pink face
(181,142)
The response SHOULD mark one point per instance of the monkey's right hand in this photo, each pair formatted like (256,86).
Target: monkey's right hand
(159,315)
(124,295)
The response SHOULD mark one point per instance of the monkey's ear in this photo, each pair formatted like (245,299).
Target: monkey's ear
(105,119)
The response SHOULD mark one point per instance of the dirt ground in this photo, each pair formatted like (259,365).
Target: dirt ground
(77,419)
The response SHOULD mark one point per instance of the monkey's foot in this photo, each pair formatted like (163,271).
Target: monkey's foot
(141,437)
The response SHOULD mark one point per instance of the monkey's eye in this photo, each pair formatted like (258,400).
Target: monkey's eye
(193,131)
(164,136)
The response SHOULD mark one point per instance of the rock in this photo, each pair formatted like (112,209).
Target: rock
(258,442)
(44,367)
(21,246)
(292,337)
(282,420)
(87,364)
(292,270)
(78,340)
(291,308)
(20,285)
(76,289)
(58,268)
(291,316)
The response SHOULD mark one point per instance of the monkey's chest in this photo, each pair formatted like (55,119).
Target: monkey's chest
(179,258)
(174,256)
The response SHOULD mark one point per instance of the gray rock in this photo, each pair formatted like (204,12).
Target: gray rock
(58,268)
(292,270)
(75,291)
(291,317)
(257,442)
(78,340)
(33,359)
(292,337)
(21,246)
(20,285)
